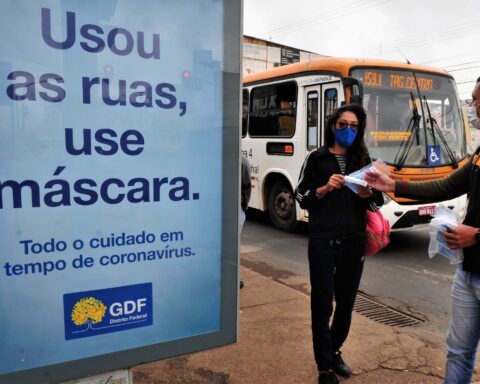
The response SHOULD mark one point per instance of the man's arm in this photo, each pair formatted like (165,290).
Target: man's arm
(454,185)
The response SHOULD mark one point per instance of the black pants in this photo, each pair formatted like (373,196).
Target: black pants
(335,269)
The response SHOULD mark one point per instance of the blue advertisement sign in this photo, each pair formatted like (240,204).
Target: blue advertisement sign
(110,176)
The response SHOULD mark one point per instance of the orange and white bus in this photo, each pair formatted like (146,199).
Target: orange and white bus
(415,125)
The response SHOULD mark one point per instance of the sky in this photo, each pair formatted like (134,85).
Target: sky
(438,33)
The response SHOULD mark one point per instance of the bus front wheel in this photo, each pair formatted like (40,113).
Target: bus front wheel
(281,207)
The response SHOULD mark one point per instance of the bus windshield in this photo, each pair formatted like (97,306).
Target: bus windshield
(414,119)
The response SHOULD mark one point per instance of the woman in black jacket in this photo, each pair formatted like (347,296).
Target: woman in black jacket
(337,234)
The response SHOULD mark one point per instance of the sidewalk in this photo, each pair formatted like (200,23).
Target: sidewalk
(275,347)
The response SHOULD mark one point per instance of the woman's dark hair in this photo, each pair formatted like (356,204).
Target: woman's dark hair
(357,153)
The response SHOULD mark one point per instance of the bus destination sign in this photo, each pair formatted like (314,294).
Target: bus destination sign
(397,80)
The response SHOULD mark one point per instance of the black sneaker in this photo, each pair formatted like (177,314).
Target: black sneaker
(339,366)
(241,284)
(327,377)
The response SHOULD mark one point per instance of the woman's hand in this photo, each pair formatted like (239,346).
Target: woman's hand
(335,182)
(364,192)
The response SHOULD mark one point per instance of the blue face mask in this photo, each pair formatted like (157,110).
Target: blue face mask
(345,137)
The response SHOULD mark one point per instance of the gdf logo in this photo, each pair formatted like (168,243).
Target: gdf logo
(127,307)
(100,311)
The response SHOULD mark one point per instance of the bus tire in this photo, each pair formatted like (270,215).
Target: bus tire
(281,207)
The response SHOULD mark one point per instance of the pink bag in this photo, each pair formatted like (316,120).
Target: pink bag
(378,231)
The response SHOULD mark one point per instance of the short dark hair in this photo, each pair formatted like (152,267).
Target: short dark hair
(478,80)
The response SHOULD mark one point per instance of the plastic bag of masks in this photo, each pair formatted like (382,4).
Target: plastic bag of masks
(443,218)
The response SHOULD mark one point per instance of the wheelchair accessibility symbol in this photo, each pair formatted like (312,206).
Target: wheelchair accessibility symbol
(434,155)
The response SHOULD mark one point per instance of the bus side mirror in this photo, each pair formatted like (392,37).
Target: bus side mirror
(356,99)
(356,90)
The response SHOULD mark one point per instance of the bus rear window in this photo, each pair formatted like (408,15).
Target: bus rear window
(273,110)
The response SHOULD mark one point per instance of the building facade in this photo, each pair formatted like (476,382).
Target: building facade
(260,55)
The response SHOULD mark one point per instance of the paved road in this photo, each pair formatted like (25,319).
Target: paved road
(401,276)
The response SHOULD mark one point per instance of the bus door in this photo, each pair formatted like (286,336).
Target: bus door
(322,100)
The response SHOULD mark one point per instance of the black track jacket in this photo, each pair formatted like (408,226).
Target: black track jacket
(341,212)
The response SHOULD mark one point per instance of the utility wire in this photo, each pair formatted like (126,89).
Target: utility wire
(310,18)
(456,65)
(445,58)
(463,69)
(360,8)
(418,43)
(415,40)
(329,14)
(329,17)
(469,26)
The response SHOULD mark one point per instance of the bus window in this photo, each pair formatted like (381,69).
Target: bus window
(273,110)
(312,120)
(330,102)
(244,112)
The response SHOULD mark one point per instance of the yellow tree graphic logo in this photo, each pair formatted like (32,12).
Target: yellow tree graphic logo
(88,311)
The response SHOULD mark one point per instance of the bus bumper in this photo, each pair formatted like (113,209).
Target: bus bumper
(413,216)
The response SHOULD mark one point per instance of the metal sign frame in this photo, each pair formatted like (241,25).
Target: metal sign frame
(232,49)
